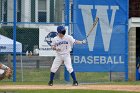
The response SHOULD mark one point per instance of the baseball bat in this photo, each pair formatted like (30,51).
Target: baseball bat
(94,24)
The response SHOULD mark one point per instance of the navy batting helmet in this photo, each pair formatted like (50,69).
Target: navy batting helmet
(60,29)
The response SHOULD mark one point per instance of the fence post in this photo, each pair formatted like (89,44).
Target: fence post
(66,12)
(66,73)
(14,41)
(126,48)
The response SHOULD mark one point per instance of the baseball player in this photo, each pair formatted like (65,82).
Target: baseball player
(63,44)
(5,72)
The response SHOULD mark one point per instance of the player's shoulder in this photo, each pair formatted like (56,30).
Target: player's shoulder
(56,37)
(68,36)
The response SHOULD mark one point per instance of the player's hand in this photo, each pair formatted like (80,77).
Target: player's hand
(84,41)
(58,49)
(53,47)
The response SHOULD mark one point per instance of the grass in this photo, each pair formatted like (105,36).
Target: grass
(62,91)
(45,83)
(42,75)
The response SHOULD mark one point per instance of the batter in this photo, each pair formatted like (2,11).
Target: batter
(63,44)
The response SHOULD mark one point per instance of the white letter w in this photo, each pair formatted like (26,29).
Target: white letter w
(106,26)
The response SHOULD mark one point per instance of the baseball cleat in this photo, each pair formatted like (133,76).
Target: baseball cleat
(75,83)
(50,83)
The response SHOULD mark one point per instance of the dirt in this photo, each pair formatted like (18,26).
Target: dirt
(134,88)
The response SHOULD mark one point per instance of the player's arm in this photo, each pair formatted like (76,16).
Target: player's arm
(80,42)
(73,41)
(4,67)
(53,45)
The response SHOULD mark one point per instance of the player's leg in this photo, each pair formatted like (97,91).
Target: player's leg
(68,64)
(56,63)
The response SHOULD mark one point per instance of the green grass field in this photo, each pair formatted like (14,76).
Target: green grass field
(62,91)
(45,83)
(43,75)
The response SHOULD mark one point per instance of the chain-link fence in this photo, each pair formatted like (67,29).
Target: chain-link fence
(31,14)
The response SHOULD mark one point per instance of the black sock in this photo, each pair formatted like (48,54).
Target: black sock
(73,76)
(52,76)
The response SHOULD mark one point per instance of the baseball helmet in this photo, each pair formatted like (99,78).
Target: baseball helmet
(60,29)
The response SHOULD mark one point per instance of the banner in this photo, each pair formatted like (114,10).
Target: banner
(107,45)
(46,34)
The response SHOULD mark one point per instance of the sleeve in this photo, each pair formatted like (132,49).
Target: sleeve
(72,40)
(53,42)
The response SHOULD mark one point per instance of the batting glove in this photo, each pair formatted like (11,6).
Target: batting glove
(58,49)
(84,41)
